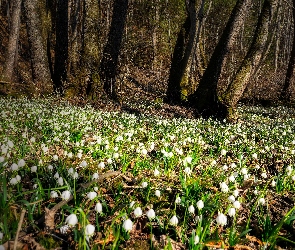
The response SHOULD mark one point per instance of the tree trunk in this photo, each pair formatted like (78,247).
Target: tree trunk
(183,51)
(250,63)
(205,99)
(11,53)
(109,62)
(61,46)
(40,69)
(290,74)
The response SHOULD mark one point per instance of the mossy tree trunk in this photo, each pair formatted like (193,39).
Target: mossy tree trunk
(40,68)
(205,99)
(251,61)
(182,55)
(11,54)
(110,57)
(290,74)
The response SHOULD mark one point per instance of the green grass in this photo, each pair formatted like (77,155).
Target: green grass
(167,165)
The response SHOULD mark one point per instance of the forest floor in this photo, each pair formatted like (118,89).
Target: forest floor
(251,162)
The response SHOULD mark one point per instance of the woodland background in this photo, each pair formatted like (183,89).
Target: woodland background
(207,54)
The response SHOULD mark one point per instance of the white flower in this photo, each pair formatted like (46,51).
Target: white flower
(236,193)
(191,209)
(35,186)
(273,183)
(91,195)
(233,165)
(95,189)
(50,167)
(14,167)
(21,163)
(231,178)
(254,155)
(70,171)
(200,204)
(225,167)
(177,200)
(196,239)
(244,171)
(79,155)
(64,229)
(56,176)
(221,219)
(95,176)
(231,212)
(187,160)
(89,230)
(55,157)
(151,214)
(127,225)
(53,194)
(223,152)
(83,164)
(158,193)
(264,175)
(75,175)
(144,184)
(144,152)
(231,198)
(156,172)
(223,187)
(70,154)
(98,207)
(246,177)
(132,204)
(18,178)
(237,204)
(2,159)
(101,165)
(137,212)
(109,161)
(34,169)
(72,220)
(10,144)
(255,191)
(174,220)
(65,195)
(187,171)
(60,181)
(261,201)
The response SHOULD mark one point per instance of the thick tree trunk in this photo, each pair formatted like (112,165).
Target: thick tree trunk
(12,48)
(183,52)
(40,69)
(61,46)
(250,63)
(109,62)
(205,99)
(290,74)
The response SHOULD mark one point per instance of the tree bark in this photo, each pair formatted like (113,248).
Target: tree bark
(61,46)
(110,57)
(250,63)
(40,69)
(11,55)
(183,52)
(206,99)
(290,74)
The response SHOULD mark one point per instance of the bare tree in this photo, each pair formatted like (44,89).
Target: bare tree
(12,49)
(206,99)
(251,62)
(109,62)
(290,74)
(40,69)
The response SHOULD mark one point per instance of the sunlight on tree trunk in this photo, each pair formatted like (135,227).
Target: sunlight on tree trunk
(252,60)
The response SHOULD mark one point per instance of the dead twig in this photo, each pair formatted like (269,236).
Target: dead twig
(20,223)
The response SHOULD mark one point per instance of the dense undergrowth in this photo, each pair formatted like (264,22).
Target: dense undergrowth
(79,178)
